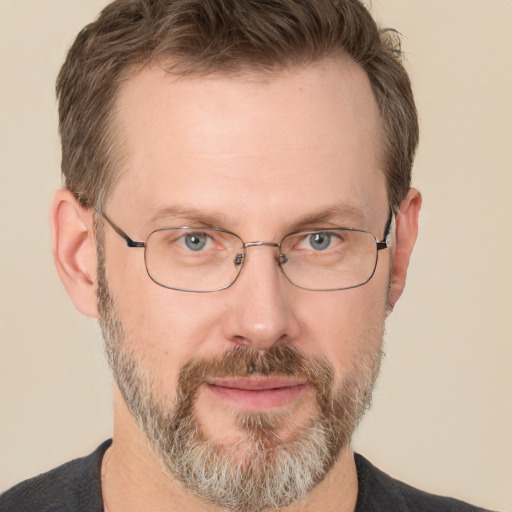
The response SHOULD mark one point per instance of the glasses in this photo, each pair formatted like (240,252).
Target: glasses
(210,259)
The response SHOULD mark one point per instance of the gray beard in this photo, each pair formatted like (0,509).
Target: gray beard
(271,473)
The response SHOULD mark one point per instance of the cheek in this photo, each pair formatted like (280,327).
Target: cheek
(169,322)
(165,329)
(345,326)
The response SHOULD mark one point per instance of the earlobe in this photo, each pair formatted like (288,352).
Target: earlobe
(405,237)
(74,250)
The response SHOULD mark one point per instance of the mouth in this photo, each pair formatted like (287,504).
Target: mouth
(257,394)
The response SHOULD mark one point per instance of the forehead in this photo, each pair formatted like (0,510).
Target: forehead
(304,138)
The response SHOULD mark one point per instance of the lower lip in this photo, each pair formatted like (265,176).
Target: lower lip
(258,400)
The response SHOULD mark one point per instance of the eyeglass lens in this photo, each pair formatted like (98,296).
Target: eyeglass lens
(205,260)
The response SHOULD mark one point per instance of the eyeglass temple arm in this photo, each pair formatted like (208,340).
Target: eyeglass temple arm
(120,232)
(386,241)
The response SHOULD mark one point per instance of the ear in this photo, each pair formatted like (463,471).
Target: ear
(405,236)
(74,250)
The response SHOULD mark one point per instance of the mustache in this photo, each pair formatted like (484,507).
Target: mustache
(279,360)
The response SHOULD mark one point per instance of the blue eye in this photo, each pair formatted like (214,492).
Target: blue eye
(196,241)
(320,240)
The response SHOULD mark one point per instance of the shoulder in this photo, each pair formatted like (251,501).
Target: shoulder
(379,491)
(72,487)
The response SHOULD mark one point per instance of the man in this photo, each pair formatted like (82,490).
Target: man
(238,215)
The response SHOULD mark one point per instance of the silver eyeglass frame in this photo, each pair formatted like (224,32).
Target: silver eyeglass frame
(240,258)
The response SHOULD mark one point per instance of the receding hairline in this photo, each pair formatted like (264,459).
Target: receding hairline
(212,36)
(250,74)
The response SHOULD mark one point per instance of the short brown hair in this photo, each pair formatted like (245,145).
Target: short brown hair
(221,36)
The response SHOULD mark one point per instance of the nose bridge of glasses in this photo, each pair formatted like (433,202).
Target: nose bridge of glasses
(240,257)
(259,244)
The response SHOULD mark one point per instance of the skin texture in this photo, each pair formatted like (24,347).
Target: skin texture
(259,156)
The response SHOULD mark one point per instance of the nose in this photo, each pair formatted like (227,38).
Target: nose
(260,313)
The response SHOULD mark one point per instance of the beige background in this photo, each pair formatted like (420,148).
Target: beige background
(442,418)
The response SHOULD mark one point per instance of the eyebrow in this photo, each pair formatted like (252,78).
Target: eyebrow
(343,215)
(191,215)
(337,214)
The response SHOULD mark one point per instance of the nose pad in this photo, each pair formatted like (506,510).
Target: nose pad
(238,259)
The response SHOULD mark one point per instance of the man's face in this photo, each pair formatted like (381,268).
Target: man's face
(263,365)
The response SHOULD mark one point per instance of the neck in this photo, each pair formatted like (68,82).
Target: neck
(133,478)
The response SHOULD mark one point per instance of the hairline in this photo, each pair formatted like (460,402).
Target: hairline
(244,72)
